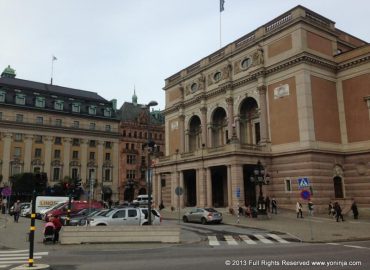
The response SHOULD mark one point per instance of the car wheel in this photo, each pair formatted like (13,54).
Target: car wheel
(204,221)
(185,219)
(145,223)
(101,224)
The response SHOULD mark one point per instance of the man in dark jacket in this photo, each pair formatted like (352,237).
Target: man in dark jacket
(338,211)
(354,209)
(58,226)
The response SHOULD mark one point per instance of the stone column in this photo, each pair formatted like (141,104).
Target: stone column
(237,182)
(174,184)
(67,156)
(83,173)
(263,108)
(203,111)
(48,141)
(99,174)
(7,138)
(209,187)
(182,133)
(182,185)
(186,143)
(158,185)
(229,187)
(115,172)
(237,127)
(27,152)
(230,119)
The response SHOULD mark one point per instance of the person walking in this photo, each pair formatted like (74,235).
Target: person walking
(310,208)
(267,202)
(273,206)
(16,210)
(354,209)
(58,226)
(298,209)
(338,211)
(331,209)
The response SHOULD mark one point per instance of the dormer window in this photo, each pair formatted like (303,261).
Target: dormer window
(76,107)
(40,102)
(108,112)
(20,99)
(2,95)
(58,105)
(92,109)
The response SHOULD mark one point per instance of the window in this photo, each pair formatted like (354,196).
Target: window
(19,118)
(124,133)
(74,173)
(194,87)
(246,63)
(217,76)
(108,145)
(127,146)
(129,134)
(36,169)
(288,185)
(40,102)
(107,112)
(76,142)
(92,109)
(57,153)
(18,137)
(108,128)
(58,140)
(107,156)
(133,146)
(163,182)
(143,159)
(92,126)
(130,174)
(16,169)
(75,154)
(135,134)
(131,159)
(2,96)
(1,115)
(37,152)
(20,99)
(17,152)
(131,212)
(58,105)
(92,143)
(140,134)
(107,175)
(38,139)
(92,155)
(56,174)
(160,136)
(76,107)
(76,124)
(39,120)
(91,173)
(58,122)
(120,214)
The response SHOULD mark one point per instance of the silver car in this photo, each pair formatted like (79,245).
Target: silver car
(203,215)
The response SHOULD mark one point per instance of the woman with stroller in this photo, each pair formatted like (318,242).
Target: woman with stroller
(58,226)
(49,231)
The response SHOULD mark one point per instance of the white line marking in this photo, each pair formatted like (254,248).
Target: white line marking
(246,239)
(19,258)
(263,239)
(333,244)
(278,238)
(23,254)
(13,251)
(4,266)
(355,246)
(230,240)
(213,241)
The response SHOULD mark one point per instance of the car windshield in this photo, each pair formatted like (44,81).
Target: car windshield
(106,213)
(210,210)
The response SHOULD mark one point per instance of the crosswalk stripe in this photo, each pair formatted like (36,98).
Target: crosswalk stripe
(263,239)
(5,266)
(246,239)
(213,241)
(278,238)
(19,258)
(13,251)
(24,254)
(230,240)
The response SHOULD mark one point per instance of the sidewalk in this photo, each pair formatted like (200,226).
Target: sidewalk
(319,228)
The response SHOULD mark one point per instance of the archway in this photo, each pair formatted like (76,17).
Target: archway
(219,124)
(190,188)
(249,122)
(194,133)
(338,187)
(219,186)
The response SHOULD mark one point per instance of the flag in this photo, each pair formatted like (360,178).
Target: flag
(54,58)
(222,3)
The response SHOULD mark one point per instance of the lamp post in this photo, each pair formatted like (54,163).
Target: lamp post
(150,104)
(260,178)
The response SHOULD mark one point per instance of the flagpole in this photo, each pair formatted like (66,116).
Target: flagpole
(220,31)
(52,70)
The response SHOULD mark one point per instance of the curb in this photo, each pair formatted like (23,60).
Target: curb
(34,267)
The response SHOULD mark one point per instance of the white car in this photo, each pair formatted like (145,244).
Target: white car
(142,200)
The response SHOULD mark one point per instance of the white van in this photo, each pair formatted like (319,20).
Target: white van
(142,200)
(44,202)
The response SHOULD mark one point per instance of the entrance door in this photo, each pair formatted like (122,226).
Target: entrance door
(249,187)
(338,187)
(190,188)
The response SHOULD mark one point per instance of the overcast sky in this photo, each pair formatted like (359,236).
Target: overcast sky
(108,46)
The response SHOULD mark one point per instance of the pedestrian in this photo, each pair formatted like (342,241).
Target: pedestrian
(267,202)
(331,209)
(273,206)
(16,210)
(57,227)
(310,208)
(240,211)
(354,209)
(161,205)
(298,208)
(4,205)
(338,211)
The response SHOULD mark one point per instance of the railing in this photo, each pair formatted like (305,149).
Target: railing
(216,55)
(251,147)
(245,40)
(193,67)
(279,22)
(317,19)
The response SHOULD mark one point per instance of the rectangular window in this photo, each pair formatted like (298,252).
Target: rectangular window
(107,112)
(18,137)
(76,124)
(56,174)
(1,115)
(288,185)
(127,145)
(92,126)
(92,109)
(131,174)
(16,169)
(57,153)
(17,152)
(58,140)
(92,143)
(107,156)
(91,174)
(2,96)
(107,175)
(20,99)
(131,159)
(58,105)
(38,152)
(40,102)
(19,118)
(74,173)
(108,128)
(76,142)
(75,154)
(76,107)
(38,139)
(39,120)
(163,182)
(92,155)
(108,145)
(58,122)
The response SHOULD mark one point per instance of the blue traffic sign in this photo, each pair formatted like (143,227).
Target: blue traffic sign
(303,182)
(305,195)
(238,192)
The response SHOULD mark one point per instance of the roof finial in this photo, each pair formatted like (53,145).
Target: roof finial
(134,97)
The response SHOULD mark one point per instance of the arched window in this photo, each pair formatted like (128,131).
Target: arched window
(249,122)
(194,133)
(219,125)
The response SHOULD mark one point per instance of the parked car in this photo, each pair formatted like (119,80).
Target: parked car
(203,215)
(22,206)
(75,207)
(82,221)
(43,212)
(141,200)
(75,217)
(125,216)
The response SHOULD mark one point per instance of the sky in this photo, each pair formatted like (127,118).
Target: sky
(113,46)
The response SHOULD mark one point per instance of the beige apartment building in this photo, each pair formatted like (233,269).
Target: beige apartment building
(60,131)
(294,94)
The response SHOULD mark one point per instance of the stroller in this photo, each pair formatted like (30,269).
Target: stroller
(49,232)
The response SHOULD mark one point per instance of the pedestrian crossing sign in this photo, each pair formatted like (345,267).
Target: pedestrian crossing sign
(303,183)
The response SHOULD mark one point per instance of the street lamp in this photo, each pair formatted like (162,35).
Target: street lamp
(150,104)
(260,178)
